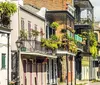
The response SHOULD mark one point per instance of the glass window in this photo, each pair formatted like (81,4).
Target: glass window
(22,23)
(29,29)
(3,61)
(35,26)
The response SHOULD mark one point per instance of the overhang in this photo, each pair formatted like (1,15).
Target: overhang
(82,26)
(84,4)
(38,54)
(5,30)
(60,52)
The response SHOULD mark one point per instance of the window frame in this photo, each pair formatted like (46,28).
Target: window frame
(22,23)
(3,66)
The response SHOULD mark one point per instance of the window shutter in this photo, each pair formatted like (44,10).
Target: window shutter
(3,61)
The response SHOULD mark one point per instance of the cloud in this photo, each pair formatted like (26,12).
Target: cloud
(95,2)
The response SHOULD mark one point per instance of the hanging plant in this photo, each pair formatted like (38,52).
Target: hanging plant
(54,25)
(72,47)
(51,43)
(6,10)
(23,34)
(54,38)
(93,44)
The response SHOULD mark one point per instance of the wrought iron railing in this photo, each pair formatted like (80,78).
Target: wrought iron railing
(84,21)
(35,46)
(80,45)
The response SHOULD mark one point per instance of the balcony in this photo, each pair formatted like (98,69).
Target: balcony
(34,47)
(83,21)
(83,14)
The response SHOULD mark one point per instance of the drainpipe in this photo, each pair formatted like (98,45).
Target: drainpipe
(8,60)
(71,58)
(67,67)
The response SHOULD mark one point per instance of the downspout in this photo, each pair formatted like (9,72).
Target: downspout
(8,59)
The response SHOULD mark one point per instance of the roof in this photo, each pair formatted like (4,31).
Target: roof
(84,3)
(5,30)
(32,11)
(31,8)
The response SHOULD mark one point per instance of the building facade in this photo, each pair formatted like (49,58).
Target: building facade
(96,62)
(5,54)
(62,12)
(32,64)
(84,24)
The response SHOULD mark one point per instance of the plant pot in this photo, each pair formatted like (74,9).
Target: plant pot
(5,20)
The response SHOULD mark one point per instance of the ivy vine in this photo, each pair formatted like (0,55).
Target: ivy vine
(51,43)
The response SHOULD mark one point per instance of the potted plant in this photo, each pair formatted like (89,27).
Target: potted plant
(23,34)
(6,10)
(51,43)
(54,25)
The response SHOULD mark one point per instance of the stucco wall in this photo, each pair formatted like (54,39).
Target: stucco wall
(3,49)
(34,21)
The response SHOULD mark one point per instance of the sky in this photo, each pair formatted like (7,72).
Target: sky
(96,4)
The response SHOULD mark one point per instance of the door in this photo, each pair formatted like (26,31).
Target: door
(24,69)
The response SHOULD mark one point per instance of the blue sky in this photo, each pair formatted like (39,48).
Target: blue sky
(96,4)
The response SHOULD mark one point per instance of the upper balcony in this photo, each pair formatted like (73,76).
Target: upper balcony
(31,44)
(83,14)
(34,47)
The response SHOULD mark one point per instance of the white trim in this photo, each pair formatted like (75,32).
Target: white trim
(80,49)
(38,54)
(65,52)
(5,32)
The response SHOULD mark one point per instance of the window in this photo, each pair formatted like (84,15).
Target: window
(3,61)
(22,23)
(29,29)
(35,26)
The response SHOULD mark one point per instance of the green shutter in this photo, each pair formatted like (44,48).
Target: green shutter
(3,61)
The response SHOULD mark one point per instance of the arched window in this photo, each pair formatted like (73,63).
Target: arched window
(96,35)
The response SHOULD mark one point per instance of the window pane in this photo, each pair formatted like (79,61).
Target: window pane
(22,23)
(29,29)
(3,60)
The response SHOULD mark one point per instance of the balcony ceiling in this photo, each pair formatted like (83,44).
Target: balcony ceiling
(77,26)
(58,15)
(86,4)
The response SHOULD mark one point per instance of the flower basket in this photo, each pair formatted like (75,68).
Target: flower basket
(54,25)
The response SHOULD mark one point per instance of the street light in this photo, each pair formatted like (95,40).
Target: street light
(18,45)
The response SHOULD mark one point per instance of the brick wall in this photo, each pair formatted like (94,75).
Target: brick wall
(50,4)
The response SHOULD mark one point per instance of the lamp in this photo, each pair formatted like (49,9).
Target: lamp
(19,43)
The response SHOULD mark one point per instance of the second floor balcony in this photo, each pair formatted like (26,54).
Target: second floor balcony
(35,47)
(83,14)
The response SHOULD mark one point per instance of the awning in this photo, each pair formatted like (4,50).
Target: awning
(65,52)
(38,54)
